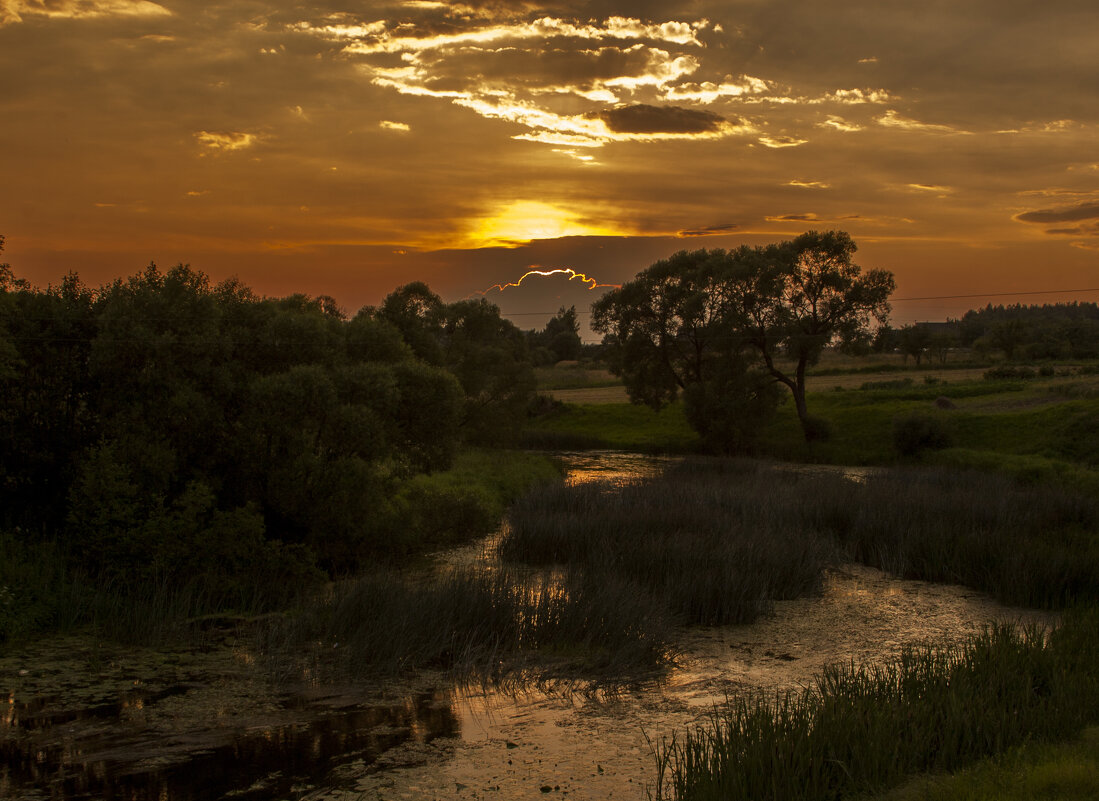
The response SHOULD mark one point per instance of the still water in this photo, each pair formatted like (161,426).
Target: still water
(84,720)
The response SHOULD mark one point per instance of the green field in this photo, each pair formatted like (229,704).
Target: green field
(1035,429)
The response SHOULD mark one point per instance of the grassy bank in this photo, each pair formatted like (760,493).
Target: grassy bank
(863,730)
(619,426)
(1050,772)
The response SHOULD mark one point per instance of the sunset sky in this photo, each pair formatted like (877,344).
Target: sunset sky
(347,148)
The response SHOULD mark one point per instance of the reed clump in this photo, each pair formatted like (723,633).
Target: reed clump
(475,624)
(717,542)
(863,729)
(1026,545)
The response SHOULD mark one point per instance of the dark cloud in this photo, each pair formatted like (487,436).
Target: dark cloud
(795,218)
(709,230)
(645,119)
(1076,230)
(1081,211)
(579,66)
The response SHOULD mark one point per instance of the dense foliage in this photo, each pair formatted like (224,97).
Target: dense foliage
(163,429)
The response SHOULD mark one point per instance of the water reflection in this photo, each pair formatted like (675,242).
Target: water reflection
(93,753)
(615,467)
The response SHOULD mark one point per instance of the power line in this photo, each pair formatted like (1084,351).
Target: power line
(996,294)
(891,300)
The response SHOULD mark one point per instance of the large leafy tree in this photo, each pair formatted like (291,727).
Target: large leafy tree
(671,331)
(719,320)
(486,353)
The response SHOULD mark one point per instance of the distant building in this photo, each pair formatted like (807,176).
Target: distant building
(952,327)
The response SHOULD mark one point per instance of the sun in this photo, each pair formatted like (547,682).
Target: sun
(526,220)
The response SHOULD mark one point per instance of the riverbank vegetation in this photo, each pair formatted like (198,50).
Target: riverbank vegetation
(862,730)
(1067,771)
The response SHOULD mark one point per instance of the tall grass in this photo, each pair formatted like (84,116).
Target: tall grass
(717,544)
(485,624)
(718,541)
(1029,545)
(860,729)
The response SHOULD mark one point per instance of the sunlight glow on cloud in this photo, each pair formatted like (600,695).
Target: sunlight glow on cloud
(840,124)
(891,119)
(225,141)
(400,127)
(809,184)
(776,142)
(522,222)
(853,97)
(582,157)
(641,81)
(380,37)
(12,11)
(708,92)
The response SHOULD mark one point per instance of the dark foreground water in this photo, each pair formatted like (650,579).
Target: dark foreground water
(97,753)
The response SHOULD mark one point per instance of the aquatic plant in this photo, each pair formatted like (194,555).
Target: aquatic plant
(474,623)
(716,541)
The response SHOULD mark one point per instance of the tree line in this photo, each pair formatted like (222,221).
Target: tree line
(1017,331)
(163,427)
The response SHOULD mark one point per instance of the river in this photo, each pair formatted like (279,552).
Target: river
(89,720)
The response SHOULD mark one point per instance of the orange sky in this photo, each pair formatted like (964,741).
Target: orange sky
(348,148)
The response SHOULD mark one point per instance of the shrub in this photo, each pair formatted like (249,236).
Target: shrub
(817,429)
(896,383)
(916,432)
(1004,372)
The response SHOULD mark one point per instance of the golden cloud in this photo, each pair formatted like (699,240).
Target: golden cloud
(776,142)
(891,119)
(225,141)
(12,11)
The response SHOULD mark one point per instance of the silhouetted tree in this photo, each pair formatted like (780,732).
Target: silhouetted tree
(683,315)
(914,341)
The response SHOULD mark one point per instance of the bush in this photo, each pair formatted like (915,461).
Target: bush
(896,383)
(817,429)
(916,432)
(1004,372)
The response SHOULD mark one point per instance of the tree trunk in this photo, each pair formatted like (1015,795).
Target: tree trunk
(810,427)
